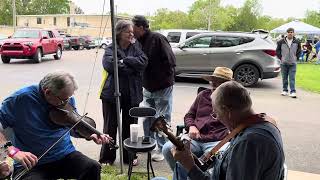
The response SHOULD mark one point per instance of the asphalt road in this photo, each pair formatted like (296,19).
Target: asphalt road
(298,118)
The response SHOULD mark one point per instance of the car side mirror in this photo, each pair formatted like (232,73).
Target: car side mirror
(181,46)
(44,37)
(9,37)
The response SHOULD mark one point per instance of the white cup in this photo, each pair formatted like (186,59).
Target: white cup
(134,130)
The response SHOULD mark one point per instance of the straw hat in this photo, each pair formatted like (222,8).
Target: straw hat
(219,73)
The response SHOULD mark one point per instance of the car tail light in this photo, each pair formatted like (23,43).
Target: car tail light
(270,52)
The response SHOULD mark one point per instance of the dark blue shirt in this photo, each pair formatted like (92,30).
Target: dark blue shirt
(27,113)
(255,154)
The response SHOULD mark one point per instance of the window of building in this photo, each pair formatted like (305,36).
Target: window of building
(174,37)
(39,20)
(68,21)
(54,21)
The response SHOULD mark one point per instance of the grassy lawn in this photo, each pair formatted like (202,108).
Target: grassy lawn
(308,77)
(112,173)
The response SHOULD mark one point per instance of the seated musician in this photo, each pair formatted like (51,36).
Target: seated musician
(27,112)
(205,130)
(256,150)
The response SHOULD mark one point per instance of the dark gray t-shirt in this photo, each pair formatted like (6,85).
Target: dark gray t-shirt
(255,154)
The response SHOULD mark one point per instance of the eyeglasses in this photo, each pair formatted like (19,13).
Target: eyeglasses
(63,101)
(128,32)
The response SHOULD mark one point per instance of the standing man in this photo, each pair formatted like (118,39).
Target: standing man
(288,51)
(158,78)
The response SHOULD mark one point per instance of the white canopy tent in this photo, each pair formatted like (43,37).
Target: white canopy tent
(299,28)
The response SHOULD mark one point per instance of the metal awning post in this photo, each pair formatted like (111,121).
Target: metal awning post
(116,81)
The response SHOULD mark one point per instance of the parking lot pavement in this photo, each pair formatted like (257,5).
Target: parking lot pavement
(298,119)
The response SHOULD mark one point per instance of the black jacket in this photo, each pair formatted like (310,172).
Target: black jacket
(130,73)
(159,73)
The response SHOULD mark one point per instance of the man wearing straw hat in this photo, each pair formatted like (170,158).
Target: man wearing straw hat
(204,130)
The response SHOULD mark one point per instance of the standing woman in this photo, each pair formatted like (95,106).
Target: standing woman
(132,62)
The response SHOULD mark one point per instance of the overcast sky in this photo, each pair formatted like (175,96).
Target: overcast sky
(274,8)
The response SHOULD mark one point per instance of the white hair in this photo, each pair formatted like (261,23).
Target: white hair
(57,81)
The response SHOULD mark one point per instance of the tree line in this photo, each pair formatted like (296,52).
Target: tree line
(31,7)
(203,14)
(211,15)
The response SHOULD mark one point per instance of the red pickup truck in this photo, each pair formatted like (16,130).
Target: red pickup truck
(32,44)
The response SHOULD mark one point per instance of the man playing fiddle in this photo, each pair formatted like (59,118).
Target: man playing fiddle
(27,112)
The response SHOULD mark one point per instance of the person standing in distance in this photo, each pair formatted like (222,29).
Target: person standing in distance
(288,51)
(158,77)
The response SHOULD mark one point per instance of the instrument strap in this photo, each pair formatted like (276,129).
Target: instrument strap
(254,119)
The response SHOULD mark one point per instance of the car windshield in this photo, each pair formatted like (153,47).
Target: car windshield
(26,34)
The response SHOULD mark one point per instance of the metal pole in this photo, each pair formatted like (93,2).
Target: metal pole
(14,13)
(116,81)
(209,18)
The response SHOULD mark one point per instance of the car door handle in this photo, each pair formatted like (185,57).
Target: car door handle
(239,52)
(204,54)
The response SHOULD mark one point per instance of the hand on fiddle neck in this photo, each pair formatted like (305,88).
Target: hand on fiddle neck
(27,159)
(101,139)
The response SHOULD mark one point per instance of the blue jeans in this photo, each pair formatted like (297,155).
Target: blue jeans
(197,148)
(288,71)
(162,101)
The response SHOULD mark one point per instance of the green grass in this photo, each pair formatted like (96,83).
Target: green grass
(308,77)
(112,173)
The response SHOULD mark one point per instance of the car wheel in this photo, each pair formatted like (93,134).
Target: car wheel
(76,48)
(37,58)
(58,54)
(104,46)
(247,75)
(88,48)
(5,59)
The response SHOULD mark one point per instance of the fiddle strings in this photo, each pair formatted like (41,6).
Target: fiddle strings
(68,131)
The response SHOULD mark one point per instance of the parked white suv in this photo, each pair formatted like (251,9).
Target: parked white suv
(176,36)
(103,42)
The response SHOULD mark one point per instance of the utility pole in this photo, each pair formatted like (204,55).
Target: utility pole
(14,13)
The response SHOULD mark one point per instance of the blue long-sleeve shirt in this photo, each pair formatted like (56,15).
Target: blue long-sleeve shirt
(27,113)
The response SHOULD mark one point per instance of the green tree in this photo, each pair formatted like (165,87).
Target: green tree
(204,14)
(247,19)
(269,23)
(27,7)
(48,7)
(165,19)
(313,18)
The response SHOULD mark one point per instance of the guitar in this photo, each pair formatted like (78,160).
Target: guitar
(160,125)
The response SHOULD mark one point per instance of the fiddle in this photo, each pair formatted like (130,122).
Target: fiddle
(84,126)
